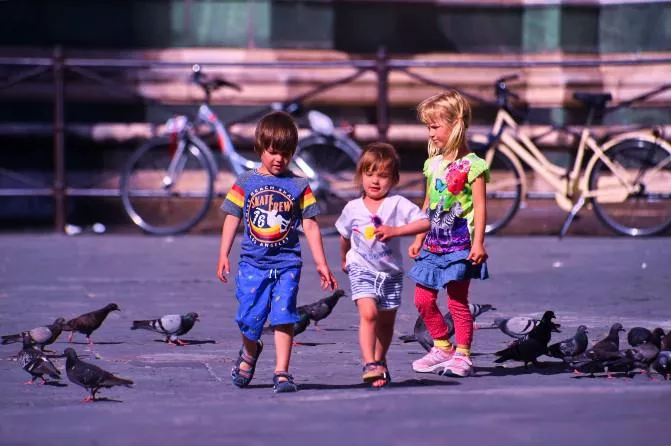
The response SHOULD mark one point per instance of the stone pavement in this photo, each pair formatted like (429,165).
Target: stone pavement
(184,395)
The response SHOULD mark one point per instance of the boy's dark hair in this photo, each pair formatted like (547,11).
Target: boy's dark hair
(378,156)
(277,130)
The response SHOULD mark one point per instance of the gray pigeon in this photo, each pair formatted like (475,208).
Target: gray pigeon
(421,335)
(170,325)
(322,308)
(666,342)
(87,323)
(518,326)
(603,356)
(35,362)
(41,336)
(531,346)
(89,376)
(662,364)
(570,347)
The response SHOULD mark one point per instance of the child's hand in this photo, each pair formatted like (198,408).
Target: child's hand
(326,277)
(343,266)
(414,249)
(477,254)
(223,268)
(384,232)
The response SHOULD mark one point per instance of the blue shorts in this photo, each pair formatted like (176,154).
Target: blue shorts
(265,294)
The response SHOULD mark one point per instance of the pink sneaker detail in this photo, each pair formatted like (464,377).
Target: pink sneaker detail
(434,360)
(460,365)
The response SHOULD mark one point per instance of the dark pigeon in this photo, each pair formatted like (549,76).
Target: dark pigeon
(638,335)
(421,335)
(518,326)
(319,310)
(662,364)
(299,327)
(41,336)
(573,346)
(603,356)
(531,346)
(89,322)
(89,376)
(170,325)
(666,342)
(657,337)
(35,362)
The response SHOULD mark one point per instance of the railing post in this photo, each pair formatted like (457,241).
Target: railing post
(59,194)
(382,70)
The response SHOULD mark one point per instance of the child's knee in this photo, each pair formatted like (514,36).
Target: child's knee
(367,307)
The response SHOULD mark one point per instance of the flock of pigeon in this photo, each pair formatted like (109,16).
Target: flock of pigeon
(647,349)
(32,357)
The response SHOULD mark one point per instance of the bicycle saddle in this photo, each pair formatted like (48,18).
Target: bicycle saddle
(596,100)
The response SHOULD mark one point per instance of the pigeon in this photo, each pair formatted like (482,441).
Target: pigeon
(640,357)
(89,322)
(41,336)
(638,335)
(170,325)
(89,376)
(603,356)
(299,327)
(518,326)
(35,362)
(572,346)
(666,342)
(662,364)
(531,346)
(319,310)
(421,335)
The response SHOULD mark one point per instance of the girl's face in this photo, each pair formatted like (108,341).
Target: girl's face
(376,183)
(439,133)
(274,162)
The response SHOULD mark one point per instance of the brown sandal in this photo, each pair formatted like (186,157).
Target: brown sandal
(372,373)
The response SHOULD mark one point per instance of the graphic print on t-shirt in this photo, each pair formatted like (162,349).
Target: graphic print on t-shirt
(269,215)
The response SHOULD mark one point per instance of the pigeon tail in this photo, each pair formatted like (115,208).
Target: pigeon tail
(143,325)
(116,381)
(10,339)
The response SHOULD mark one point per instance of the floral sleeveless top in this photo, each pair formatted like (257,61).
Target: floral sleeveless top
(451,201)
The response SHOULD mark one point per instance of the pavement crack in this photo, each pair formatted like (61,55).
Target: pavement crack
(211,372)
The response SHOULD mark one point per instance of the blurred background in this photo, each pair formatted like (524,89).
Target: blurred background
(84,84)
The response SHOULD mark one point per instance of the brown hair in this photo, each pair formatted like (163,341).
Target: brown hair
(446,107)
(378,156)
(277,130)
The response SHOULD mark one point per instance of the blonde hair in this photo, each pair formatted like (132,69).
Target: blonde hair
(378,156)
(451,108)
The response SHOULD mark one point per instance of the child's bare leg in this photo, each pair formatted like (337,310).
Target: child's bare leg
(368,316)
(384,333)
(284,338)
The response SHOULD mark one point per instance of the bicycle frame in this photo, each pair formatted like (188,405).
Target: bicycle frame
(569,184)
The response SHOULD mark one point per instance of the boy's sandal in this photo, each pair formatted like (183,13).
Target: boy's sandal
(283,382)
(242,377)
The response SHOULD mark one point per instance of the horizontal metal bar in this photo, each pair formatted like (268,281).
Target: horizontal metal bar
(168,194)
(26,192)
(92,192)
(33,61)
(132,63)
(402,63)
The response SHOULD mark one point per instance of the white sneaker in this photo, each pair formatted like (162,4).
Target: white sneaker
(460,365)
(432,361)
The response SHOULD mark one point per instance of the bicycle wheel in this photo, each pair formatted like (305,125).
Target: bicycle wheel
(504,190)
(329,164)
(166,190)
(646,166)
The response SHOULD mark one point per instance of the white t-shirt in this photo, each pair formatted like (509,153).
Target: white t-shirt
(357,224)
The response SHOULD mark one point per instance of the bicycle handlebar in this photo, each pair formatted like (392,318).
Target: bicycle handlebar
(213,84)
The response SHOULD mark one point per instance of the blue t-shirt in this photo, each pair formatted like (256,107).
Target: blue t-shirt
(271,209)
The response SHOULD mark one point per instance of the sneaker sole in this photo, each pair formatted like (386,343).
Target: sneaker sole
(430,369)
(448,372)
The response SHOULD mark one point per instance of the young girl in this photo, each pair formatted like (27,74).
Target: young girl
(452,252)
(371,253)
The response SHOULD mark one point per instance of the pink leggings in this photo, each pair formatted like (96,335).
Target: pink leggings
(457,304)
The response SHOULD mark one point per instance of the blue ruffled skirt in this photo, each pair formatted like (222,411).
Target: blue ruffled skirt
(436,270)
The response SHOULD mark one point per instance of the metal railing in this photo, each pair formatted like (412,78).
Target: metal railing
(381,65)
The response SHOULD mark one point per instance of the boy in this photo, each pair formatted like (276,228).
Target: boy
(272,202)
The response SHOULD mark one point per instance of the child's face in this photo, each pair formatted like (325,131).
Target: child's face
(274,162)
(439,133)
(376,183)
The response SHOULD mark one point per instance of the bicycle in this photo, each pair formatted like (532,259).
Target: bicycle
(168,183)
(624,168)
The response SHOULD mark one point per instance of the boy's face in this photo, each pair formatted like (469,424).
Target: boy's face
(274,162)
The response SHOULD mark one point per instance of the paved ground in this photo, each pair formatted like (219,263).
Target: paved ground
(184,395)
